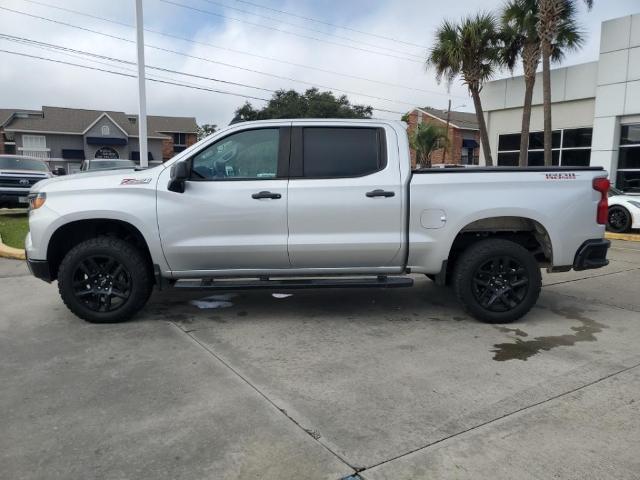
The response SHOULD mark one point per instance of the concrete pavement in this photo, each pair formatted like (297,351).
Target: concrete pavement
(321,384)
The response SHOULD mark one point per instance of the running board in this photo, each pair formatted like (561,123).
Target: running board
(295,284)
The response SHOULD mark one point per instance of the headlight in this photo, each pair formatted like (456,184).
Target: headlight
(634,203)
(36,200)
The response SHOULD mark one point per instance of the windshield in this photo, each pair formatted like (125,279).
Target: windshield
(110,164)
(8,162)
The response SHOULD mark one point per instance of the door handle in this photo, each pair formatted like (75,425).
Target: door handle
(265,194)
(380,193)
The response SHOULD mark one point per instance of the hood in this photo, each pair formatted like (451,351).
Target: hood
(97,179)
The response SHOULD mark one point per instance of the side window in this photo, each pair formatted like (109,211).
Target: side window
(342,152)
(251,155)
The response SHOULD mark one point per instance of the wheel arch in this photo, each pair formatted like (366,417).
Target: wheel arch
(70,234)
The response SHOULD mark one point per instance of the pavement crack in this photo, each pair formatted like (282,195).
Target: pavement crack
(506,415)
(312,433)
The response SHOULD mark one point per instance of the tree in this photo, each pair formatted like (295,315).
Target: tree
(425,139)
(550,20)
(205,130)
(471,50)
(521,40)
(311,104)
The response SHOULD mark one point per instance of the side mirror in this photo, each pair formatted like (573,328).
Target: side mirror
(179,175)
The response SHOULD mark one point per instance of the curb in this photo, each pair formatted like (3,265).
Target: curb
(629,237)
(9,252)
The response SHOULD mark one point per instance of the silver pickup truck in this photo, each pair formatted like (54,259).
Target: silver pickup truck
(311,204)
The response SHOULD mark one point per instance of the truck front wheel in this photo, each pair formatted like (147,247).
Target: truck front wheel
(497,281)
(104,280)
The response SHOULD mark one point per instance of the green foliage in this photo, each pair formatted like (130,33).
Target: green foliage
(470,49)
(310,104)
(425,139)
(205,130)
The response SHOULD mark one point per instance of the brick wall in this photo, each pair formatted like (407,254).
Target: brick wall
(453,154)
(167,149)
(191,139)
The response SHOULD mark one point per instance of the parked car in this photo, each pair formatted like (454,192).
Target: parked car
(624,211)
(17,175)
(286,204)
(102,164)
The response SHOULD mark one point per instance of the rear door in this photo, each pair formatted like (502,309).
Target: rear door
(345,197)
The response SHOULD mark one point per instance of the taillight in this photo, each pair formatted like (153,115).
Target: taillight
(602,185)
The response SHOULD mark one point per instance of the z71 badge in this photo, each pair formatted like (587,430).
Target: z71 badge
(135,181)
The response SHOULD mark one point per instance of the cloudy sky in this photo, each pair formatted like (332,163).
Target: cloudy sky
(376,59)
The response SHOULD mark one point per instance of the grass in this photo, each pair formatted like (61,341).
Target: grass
(14,228)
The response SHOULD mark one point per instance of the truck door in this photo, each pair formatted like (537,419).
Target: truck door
(232,214)
(345,198)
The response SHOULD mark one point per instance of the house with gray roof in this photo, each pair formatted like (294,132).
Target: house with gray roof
(67,136)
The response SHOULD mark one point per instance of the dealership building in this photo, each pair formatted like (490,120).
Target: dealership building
(595,110)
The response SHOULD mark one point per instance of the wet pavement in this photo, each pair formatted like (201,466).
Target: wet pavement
(320,384)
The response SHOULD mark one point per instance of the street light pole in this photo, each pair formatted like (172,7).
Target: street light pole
(142,95)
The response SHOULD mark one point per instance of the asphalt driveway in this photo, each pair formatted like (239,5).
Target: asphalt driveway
(393,384)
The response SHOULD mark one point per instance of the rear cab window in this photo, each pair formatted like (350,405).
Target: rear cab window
(337,152)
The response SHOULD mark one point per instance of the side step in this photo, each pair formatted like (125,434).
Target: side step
(295,284)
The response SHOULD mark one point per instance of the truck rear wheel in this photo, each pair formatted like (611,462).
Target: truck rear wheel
(497,281)
(104,280)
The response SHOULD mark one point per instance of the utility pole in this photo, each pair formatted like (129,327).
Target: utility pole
(444,155)
(142,95)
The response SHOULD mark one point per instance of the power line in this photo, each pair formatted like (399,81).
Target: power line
(218,4)
(208,60)
(242,52)
(122,74)
(28,41)
(207,12)
(179,84)
(311,19)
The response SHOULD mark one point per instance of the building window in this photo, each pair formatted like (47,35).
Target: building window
(570,148)
(105,130)
(179,142)
(628,175)
(34,146)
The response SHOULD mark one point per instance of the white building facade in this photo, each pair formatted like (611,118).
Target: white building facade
(595,110)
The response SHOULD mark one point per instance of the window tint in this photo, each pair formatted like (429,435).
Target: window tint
(629,181)
(576,158)
(341,152)
(508,159)
(536,159)
(629,158)
(577,137)
(630,134)
(536,140)
(250,154)
(509,142)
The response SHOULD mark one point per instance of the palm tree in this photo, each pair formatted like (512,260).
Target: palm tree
(425,139)
(550,20)
(521,40)
(470,50)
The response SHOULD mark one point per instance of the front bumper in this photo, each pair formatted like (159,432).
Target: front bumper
(39,268)
(592,254)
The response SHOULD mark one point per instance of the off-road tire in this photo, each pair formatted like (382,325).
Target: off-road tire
(469,266)
(133,261)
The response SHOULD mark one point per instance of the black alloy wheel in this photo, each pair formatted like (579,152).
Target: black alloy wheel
(500,284)
(619,219)
(101,283)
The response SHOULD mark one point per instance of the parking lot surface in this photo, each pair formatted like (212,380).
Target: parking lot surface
(392,384)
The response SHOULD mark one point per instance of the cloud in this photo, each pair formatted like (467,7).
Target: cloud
(30,83)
